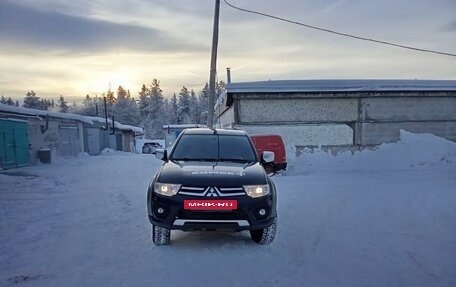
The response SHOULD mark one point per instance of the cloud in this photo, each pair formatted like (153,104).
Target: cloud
(450,27)
(46,30)
(333,6)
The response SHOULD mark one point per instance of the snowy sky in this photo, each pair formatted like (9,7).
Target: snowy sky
(77,47)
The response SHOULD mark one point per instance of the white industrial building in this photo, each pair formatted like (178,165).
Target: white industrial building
(340,114)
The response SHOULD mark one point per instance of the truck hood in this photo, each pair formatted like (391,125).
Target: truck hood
(220,174)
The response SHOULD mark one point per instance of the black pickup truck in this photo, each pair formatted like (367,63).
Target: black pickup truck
(212,179)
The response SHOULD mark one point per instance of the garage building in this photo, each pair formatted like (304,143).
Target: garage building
(27,133)
(340,114)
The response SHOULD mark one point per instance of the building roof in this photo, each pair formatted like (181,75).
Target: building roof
(34,113)
(208,131)
(340,86)
(117,125)
(183,126)
(6,109)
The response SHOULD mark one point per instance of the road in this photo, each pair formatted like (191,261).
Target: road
(83,222)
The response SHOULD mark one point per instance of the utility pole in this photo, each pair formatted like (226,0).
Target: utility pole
(210,114)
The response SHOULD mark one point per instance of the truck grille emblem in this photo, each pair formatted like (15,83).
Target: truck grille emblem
(211,192)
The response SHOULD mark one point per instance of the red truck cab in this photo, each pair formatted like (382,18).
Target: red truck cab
(274,143)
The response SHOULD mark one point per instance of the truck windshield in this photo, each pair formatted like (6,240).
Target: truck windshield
(214,148)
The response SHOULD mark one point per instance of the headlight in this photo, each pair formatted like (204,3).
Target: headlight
(166,189)
(256,190)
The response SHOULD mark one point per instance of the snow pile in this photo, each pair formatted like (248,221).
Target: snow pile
(411,151)
(108,151)
(83,154)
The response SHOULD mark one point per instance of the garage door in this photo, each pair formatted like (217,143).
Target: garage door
(13,143)
(93,141)
(69,141)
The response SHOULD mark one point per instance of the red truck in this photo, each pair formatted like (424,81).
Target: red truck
(274,143)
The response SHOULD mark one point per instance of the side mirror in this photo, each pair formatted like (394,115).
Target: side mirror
(161,154)
(267,156)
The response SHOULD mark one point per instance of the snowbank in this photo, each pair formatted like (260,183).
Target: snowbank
(108,151)
(411,151)
(83,154)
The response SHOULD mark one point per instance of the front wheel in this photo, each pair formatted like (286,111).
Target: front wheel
(266,235)
(160,235)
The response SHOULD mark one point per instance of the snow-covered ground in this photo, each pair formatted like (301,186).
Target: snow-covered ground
(377,218)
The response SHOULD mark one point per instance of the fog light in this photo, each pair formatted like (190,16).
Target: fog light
(262,212)
(160,210)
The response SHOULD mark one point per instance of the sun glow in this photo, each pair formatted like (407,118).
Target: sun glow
(102,82)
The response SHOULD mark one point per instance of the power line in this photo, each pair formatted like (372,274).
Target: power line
(339,33)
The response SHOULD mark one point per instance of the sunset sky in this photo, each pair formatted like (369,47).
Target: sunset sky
(80,47)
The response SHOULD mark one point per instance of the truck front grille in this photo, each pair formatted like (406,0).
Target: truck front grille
(212,191)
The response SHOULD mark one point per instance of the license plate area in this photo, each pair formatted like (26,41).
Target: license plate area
(214,204)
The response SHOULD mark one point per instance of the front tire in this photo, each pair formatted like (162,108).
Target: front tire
(160,235)
(266,235)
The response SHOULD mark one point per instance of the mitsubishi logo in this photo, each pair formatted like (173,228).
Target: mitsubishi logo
(211,192)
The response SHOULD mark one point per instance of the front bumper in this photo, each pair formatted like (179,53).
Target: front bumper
(245,217)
